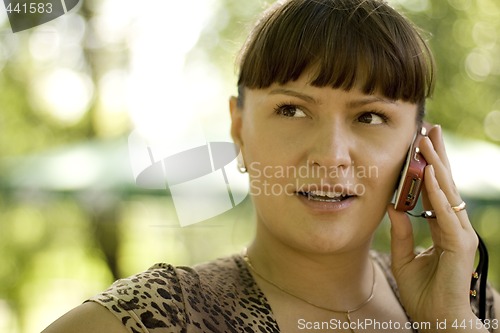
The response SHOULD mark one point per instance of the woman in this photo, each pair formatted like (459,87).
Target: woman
(331,94)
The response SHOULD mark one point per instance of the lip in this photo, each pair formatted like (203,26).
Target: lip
(327,207)
(328,188)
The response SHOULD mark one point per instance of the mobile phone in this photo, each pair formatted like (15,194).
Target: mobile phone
(412,174)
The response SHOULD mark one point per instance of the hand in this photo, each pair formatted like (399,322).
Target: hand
(435,284)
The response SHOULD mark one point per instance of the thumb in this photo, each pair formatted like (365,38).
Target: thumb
(402,245)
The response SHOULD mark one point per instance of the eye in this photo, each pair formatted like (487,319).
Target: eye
(289,111)
(372,118)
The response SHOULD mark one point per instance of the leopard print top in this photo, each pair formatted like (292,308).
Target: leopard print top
(219,296)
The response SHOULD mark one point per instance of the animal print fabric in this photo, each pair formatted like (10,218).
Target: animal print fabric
(219,296)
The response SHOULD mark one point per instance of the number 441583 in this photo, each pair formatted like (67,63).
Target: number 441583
(475,324)
(30,7)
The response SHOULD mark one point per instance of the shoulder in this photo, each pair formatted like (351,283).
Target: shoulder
(86,318)
(147,300)
(155,298)
(164,297)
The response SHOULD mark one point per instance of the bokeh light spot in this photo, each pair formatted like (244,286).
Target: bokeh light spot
(492,125)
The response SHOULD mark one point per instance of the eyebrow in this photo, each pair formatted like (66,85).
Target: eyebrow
(368,100)
(283,91)
(352,104)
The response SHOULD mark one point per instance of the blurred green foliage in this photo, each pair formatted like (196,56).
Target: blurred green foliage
(60,247)
(464,36)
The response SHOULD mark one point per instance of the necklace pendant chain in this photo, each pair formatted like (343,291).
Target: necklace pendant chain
(347,313)
(348,318)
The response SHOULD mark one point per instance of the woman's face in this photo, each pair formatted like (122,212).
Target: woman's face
(323,163)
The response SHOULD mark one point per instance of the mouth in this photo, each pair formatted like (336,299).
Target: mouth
(325,196)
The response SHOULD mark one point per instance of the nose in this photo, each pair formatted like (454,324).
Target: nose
(332,147)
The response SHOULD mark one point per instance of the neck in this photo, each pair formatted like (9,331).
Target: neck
(333,280)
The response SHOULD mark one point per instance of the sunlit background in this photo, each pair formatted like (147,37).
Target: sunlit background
(72,218)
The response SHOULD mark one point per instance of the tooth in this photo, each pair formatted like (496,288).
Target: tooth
(328,194)
(325,196)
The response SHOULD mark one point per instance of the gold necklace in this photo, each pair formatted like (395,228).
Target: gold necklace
(347,313)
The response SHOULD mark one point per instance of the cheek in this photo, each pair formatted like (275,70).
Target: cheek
(385,155)
(267,146)
(381,169)
(256,141)
(268,161)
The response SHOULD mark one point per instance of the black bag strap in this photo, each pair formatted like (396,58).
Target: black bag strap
(481,275)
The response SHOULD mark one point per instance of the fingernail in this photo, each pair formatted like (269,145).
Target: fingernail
(439,129)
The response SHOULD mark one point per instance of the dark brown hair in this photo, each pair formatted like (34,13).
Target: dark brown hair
(342,42)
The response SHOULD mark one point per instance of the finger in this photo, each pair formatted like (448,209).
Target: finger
(425,200)
(402,244)
(445,183)
(433,226)
(425,197)
(445,216)
(442,172)
(436,136)
(435,232)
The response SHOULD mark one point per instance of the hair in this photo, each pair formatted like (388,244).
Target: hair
(343,43)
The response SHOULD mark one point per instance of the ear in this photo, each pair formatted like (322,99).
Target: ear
(236,121)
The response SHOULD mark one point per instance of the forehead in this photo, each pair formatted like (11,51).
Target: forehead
(305,89)
(303,92)
(375,49)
